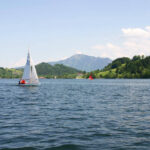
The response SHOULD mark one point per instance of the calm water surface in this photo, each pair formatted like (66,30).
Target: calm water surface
(75,115)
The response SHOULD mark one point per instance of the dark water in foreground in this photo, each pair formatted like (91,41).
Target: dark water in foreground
(75,115)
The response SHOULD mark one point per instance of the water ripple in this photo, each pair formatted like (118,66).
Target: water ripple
(75,115)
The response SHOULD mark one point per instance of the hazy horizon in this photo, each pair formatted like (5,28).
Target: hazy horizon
(57,29)
(22,62)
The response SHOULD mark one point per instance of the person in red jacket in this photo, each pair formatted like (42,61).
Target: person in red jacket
(22,82)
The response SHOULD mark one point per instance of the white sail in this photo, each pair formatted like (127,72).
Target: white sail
(30,75)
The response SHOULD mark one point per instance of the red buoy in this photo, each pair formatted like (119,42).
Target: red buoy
(90,77)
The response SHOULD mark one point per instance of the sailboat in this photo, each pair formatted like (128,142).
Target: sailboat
(29,75)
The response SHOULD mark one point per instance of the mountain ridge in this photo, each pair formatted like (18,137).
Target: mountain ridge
(84,62)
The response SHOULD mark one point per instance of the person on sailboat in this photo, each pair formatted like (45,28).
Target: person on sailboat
(22,82)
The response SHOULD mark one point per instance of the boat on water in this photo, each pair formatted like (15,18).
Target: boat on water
(29,77)
(90,77)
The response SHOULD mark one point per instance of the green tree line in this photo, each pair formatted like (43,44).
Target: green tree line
(137,67)
(44,70)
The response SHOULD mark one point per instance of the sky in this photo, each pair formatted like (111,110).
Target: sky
(57,29)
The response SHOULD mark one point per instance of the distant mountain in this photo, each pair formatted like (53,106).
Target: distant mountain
(84,62)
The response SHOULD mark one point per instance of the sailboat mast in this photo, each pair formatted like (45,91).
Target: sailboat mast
(29,58)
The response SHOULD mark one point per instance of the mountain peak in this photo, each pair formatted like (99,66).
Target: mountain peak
(84,62)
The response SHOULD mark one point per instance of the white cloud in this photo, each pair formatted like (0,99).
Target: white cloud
(109,50)
(136,41)
(99,47)
(78,52)
(62,58)
(147,28)
(19,63)
(136,32)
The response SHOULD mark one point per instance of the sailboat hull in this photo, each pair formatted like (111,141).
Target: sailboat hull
(28,84)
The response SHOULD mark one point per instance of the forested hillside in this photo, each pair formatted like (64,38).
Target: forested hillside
(58,70)
(43,70)
(10,73)
(137,67)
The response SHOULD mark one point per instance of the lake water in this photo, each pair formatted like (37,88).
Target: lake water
(75,115)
